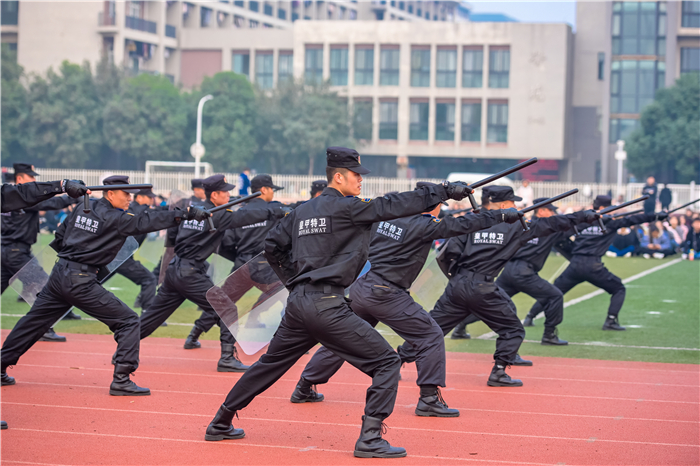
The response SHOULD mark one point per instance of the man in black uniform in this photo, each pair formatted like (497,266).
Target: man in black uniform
(318,250)
(317,187)
(586,264)
(186,276)
(397,252)
(19,232)
(198,196)
(133,269)
(651,190)
(248,241)
(29,194)
(477,260)
(85,243)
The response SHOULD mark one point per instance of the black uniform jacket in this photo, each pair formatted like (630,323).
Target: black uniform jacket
(326,239)
(486,252)
(536,250)
(249,240)
(22,226)
(96,238)
(195,241)
(592,241)
(15,197)
(399,248)
(136,208)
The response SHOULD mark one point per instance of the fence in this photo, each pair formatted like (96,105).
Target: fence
(297,187)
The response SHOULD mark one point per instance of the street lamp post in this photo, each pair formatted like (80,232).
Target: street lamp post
(620,156)
(197,149)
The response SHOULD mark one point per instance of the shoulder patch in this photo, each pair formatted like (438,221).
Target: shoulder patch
(365,199)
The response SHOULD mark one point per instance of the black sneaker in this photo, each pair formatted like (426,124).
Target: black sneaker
(611,323)
(499,378)
(528,322)
(521,362)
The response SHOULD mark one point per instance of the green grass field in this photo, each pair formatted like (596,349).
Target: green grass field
(663,309)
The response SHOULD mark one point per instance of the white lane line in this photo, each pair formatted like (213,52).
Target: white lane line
(490,392)
(90,319)
(611,345)
(613,418)
(244,444)
(489,335)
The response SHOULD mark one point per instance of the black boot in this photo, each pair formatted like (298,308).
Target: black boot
(529,321)
(499,378)
(220,427)
(431,404)
(521,362)
(50,335)
(6,379)
(305,393)
(460,332)
(371,444)
(229,361)
(71,316)
(191,342)
(551,337)
(122,385)
(611,323)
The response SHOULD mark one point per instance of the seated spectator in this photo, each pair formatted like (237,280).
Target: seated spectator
(624,244)
(691,245)
(677,222)
(657,244)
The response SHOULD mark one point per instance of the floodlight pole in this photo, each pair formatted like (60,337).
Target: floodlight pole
(198,143)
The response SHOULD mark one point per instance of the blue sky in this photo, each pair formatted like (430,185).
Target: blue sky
(530,12)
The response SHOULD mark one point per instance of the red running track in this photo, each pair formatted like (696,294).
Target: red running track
(570,411)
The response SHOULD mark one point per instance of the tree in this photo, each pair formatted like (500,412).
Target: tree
(146,120)
(667,143)
(14,101)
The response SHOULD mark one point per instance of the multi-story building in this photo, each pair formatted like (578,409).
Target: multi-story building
(624,52)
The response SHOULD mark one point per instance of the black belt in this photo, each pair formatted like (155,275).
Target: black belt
(190,262)
(476,275)
(394,285)
(78,266)
(320,287)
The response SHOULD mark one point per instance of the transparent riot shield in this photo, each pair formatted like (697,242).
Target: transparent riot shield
(429,285)
(31,278)
(251,303)
(178,199)
(219,268)
(151,250)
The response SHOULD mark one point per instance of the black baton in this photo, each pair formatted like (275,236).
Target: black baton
(478,184)
(613,208)
(683,206)
(111,187)
(542,204)
(212,229)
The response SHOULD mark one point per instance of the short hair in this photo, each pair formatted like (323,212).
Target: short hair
(331,171)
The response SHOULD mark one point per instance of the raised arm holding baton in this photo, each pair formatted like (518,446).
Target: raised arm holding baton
(542,204)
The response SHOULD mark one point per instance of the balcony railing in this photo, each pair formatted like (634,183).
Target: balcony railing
(170,31)
(108,19)
(140,24)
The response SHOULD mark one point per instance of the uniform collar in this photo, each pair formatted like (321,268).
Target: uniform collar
(332,192)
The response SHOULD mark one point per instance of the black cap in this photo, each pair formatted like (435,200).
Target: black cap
(342,157)
(422,184)
(24,168)
(8,177)
(318,185)
(602,201)
(197,183)
(498,194)
(216,183)
(551,207)
(119,179)
(261,181)
(146,192)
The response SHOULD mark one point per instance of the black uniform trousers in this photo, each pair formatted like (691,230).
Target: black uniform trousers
(473,294)
(592,270)
(375,300)
(520,277)
(72,284)
(140,275)
(323,317)
(184,279)
(14,257)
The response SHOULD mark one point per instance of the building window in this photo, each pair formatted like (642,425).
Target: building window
(313,65)
(353,14)
(639,28)
(285,64)
(264,69)
(339,65)
(267,9)
(389,120)
(402,5)
(253,6)
(473,67)
(690,15)
(445,121)
(9,13)
(499,67)
(253,24)
(241,62)
(364,65)
(204,17)
(446,68)
(239,3)
(389,66)
(420,67)
(281,14)
(601,66)
(420,111)
(295,16)
(362,119)
(497,129)
(690,60)
(621,128)
(633,84)
(419,11)
(471,121)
